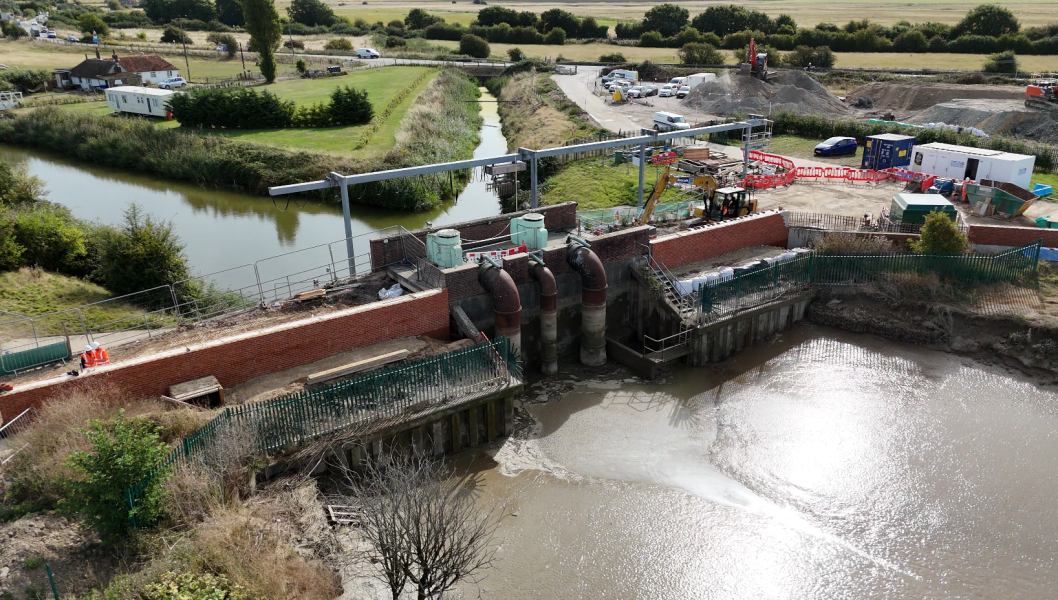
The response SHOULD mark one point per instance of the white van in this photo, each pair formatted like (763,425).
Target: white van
(666,121)
(367,53)
(632,76)
(678,82)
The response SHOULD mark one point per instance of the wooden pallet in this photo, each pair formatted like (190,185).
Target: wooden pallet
(343,515)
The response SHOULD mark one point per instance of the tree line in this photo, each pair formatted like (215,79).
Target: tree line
(245,108)
(985,29)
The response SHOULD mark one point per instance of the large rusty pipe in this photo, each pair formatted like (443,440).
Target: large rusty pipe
(593,303)
(506,305)
(548,318)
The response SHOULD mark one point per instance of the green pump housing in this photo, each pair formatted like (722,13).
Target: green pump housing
(529,228)
(444,248)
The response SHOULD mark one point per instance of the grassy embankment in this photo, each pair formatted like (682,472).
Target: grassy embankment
(33,292)
(438,126)
(538,115)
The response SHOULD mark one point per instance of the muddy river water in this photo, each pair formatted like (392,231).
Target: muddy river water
(823,465)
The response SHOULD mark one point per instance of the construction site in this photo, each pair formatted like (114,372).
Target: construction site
(496,343)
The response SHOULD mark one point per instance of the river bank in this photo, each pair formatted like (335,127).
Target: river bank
(442,125)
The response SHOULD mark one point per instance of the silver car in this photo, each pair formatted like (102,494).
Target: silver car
(683,91)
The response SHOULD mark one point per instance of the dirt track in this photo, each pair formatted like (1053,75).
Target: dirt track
(906,98)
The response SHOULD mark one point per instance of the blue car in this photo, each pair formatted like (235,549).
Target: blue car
(837,146)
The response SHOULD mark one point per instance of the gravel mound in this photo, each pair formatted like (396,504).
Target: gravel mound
(1003,117)
(792,91)
(905,98)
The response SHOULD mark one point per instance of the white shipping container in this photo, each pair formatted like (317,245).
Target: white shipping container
(962,162)
(139,100)
(699,78)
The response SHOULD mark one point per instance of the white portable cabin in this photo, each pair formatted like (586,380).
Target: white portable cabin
(139,100)
(962,162)
(697,79)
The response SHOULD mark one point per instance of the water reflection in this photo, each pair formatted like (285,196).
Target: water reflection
(223,229)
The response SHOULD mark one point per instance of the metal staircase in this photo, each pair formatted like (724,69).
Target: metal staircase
(685,305)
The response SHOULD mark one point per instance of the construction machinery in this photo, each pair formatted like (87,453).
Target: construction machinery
(1042,92)
(655,195)
(757,62)
(726,203)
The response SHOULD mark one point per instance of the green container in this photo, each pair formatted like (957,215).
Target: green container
(913,208)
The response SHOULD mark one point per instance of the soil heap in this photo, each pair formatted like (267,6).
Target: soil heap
(903,98)
(791,91)
(1002,117)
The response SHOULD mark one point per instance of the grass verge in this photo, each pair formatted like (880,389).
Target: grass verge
(598,183)
(31,292)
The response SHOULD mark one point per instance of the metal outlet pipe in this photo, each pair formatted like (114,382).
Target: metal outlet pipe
(548,318)
(506,305)
(593,303)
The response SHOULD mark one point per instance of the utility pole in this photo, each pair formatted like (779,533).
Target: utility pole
(187,63)
(243,57)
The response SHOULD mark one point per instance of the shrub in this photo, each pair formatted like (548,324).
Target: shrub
(11,30)
(616,57)
(338,44)
(849,243)
(234,108)
(17,186)
(1003,62)
(700,54)
(311,13)
(474,46)
(91,22)
(803,56)
(350,106)
(555,37)
(988,20)
(192,586)
(940,235)
(294,45)
(514,54)
(10,250)
(420,19)
(174,35)
(652,39)
(122,455)
(393,41)
(227,40)
(141,254)
(142,36)
(911,41)
(590,28)
(51,239)
(265,29)
(300,66)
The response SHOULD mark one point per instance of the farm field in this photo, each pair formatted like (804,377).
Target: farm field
(805,12)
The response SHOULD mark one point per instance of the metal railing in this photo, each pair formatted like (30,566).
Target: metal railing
(147,313)
(724,297)
(12,428)
(866,223)
(294,419)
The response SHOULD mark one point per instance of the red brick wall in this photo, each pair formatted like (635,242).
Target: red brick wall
(997,235)
(694,245)
(240,358)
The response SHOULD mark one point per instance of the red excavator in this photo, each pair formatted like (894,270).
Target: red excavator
(1041,93)
(757,65)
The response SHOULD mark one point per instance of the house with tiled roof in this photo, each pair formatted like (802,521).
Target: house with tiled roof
(151,68)
(115,71)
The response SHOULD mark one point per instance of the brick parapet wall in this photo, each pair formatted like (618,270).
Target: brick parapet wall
(694,245)
(389,250)
(997,235)
(236,359)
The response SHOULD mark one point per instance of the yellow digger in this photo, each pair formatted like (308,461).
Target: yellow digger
(720,203)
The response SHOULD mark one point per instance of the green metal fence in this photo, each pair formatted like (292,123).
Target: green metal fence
(18,361)
(293,419)
(729,296)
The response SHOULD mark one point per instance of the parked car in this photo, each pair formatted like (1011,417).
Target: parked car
(836,146)
(683,91)
(636,91)
(650,90)
(52,34)
(173,82)
(667,90)
(367,53)
(666,121)
(619,84)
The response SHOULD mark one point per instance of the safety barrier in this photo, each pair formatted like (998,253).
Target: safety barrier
(14,362)
(294,419)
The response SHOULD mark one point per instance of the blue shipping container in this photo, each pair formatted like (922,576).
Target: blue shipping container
(887,150)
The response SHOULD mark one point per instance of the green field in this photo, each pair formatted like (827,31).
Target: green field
(382,85)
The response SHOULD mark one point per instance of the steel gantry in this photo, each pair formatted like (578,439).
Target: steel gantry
(522,157)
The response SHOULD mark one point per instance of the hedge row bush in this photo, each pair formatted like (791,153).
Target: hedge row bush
(246,108)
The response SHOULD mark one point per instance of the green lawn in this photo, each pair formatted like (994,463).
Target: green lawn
(1047,179)
(381,84)
(598,183)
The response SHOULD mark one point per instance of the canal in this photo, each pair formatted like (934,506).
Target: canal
(823,465)
(222,229)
